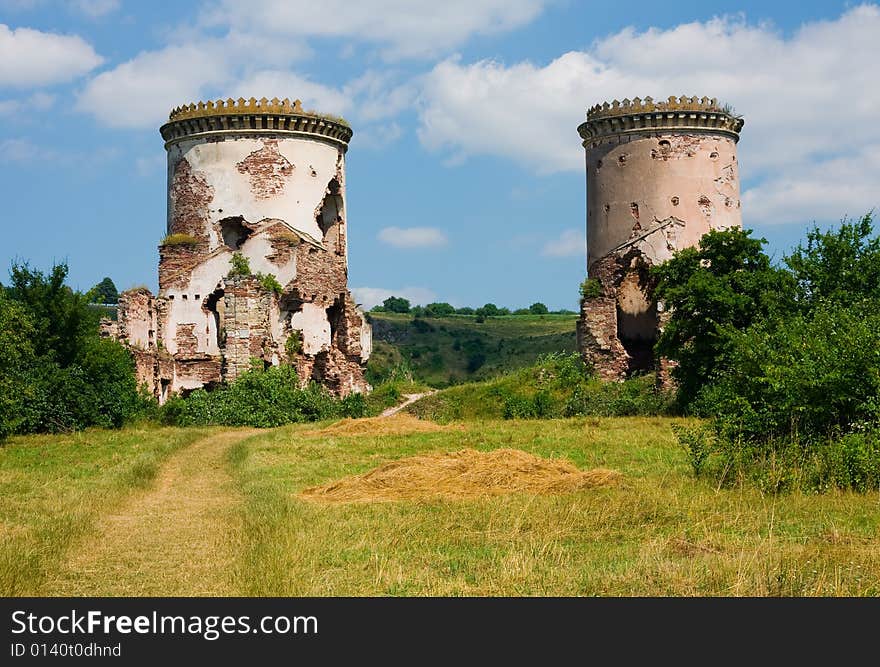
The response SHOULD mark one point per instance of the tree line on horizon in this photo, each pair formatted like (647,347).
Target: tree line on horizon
(400,305)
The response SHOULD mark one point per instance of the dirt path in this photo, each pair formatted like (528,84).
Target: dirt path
(172,539)
(410,398)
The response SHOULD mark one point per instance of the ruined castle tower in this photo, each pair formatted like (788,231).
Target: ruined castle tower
(254,265)
(659,176)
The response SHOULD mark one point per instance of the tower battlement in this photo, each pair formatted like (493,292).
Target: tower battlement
(253,116)
(638,115)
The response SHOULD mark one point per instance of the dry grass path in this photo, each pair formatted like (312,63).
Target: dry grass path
(410,398)
(172,539)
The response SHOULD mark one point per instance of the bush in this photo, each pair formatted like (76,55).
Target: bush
(591,288)
(439,310)
(261,399)
(56,373)
(240,265)
(807,376)
(270,283)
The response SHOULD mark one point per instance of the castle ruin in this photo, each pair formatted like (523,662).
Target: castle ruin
(659,176)
(255,262)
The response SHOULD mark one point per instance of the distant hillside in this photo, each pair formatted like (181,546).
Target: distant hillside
(443,351)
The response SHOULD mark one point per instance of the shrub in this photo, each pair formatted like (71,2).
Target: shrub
(294,344)
(270,283)
(714,291)
(262,399)
(591,288)
(240,265)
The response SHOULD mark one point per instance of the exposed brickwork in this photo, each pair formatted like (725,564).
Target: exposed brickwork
(108,328)
(247,318)
(187,342)
(203,370)
(190,197)
(597,338)
(284,243)
(177,262)
(267,169)
(321,276)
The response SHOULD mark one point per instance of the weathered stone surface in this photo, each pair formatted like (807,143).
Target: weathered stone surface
(278,199)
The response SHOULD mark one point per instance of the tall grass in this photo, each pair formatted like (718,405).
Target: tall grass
(52,489)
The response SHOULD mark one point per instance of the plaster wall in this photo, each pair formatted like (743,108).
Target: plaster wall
(260,178)
(636,181)
(312,321)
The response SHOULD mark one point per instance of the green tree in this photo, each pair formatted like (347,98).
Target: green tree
(439,310)
(17,360)
(104,292)
(715,290)
(489,310)
(61,317)
(841,265)
(538,308)
(396,304)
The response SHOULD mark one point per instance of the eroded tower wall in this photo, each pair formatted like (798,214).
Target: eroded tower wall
(659,176)
(266,181)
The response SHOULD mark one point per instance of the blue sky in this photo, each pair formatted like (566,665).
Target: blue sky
(465,174)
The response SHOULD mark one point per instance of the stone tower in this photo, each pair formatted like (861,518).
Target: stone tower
(254,264)
(659,176)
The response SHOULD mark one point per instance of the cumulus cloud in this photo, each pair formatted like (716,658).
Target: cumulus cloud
(373,296)
(809,99)
(412,237)
(31,58)
(141,91)
(570,243)
(402,28)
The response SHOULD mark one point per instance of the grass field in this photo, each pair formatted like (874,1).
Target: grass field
(217,511)
(444,351)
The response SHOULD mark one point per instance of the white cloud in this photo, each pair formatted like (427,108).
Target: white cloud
(412,237)
(822,190)
(570,243)
(30,58)
(95,8)
(403,28)
(373,296)
(39,101)
(809,97)
(142,91)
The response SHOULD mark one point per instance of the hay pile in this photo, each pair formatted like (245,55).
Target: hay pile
(399,424)
(462,475)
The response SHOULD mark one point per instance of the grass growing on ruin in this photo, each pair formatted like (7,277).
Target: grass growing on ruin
(659,532)
(53,488)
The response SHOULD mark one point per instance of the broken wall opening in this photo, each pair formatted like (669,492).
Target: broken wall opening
(331,208)
(234,232)
(216,306)
(637,323)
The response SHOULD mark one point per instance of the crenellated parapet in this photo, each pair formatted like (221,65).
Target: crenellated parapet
(678,114)
(253,116)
